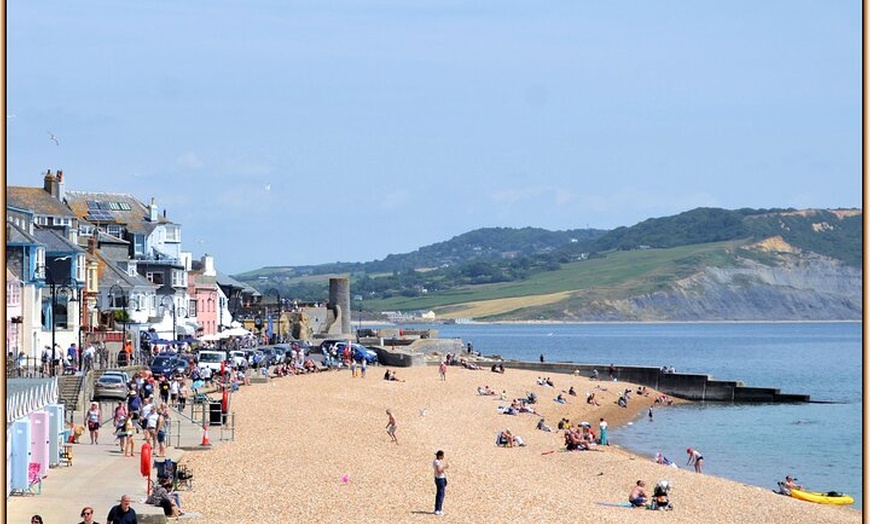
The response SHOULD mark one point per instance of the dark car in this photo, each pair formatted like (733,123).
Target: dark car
(164,365)
(110,386)
(300,345)
(272,356)
(359,352)
(185,364)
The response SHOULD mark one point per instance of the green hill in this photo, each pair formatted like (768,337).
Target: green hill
(574,271)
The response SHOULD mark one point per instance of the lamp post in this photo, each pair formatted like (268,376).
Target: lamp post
(280,311)
(175,311)
(55,288)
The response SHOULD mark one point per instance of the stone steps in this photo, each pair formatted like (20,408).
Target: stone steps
(69,391)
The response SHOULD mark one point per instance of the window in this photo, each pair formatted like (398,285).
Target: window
(155,278)
(86,230)
(173,233)
(138,245)
(114,230)
(62,221)
(178,278)
(61,320)
(80,267)
(13,294)
(191,308)
(91,282)
(41,220)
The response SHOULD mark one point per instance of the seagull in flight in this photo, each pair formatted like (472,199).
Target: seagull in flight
(53,138)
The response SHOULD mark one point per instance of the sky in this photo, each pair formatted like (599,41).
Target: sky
(281,132)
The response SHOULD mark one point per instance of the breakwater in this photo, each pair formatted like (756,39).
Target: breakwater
(689,386)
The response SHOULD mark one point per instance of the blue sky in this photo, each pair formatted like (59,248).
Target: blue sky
(306,132)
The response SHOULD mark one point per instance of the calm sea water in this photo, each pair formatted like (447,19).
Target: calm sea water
(820,444)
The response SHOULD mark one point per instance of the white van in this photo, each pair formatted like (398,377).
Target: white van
(211,360)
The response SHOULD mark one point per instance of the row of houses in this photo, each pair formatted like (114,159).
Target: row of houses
(86,267)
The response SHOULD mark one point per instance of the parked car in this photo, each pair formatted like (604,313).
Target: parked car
(186,363)
(271,355)
(110,386)
(238,358)
(358,352)
(300,345)
(121,373)
(164,365)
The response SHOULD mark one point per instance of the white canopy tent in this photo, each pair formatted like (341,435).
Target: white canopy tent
(236,332)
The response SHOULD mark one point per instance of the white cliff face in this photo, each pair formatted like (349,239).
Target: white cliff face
(800,287)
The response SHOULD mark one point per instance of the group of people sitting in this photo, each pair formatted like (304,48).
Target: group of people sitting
(391,375)
(664,399)
(497,368)
(507,439)
(580,438)
(545,382)
(518,405)
(295,368)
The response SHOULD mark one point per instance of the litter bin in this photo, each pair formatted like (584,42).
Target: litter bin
(215,417)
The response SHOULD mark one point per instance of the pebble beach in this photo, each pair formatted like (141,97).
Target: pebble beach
(314,448)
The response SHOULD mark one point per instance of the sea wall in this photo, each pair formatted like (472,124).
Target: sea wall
(689,386)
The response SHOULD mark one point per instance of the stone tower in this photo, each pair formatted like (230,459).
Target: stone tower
(339,302)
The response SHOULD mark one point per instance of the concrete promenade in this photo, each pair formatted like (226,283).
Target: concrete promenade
(100,474)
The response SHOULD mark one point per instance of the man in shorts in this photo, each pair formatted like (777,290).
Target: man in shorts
(391,426)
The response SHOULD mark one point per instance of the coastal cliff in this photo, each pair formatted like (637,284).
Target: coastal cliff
(798,287)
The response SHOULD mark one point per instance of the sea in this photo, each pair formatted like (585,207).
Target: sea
(756,444)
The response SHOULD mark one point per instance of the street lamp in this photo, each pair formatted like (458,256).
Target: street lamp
(175,311)
(67,290)
(280,309)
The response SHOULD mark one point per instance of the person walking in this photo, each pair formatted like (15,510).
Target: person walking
(391,426)
(122,513)
(442,370)
(439,466)
(695,458)
(88,516)
(362,368)
(94,417)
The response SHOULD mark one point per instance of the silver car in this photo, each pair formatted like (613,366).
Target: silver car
(110,387)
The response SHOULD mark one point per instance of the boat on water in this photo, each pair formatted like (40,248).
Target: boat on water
(831,497)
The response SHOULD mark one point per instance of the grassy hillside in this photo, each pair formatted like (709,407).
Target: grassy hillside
(619,274)
(535,273)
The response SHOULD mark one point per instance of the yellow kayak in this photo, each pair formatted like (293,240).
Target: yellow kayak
(822,498)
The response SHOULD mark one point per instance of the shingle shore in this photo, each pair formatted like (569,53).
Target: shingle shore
(313,448)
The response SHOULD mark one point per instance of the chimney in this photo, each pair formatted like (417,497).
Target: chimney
(208,265)
(92,245)
(152,211)
(48,183)
(60,192)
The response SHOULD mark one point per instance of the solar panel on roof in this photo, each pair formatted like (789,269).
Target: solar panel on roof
(100,215)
